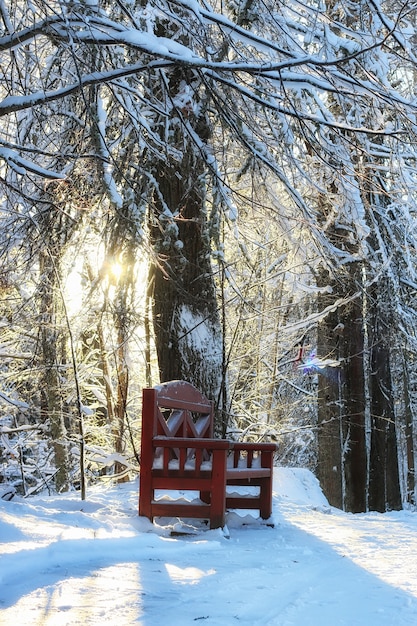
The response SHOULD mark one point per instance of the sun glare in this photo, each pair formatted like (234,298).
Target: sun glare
(106,274)
(91,598)
(115,271)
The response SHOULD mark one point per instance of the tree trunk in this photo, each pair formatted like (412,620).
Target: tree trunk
(342,458)
(342,399)
(409,438)
(355,459)
(51,335)
(186,321)
(120,409)
(384,484)
(185,309)
(123,247)
(329,434)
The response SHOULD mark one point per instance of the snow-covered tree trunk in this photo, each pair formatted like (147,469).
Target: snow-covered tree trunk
(52,341)
(330,465)
(186,320)
(187,328)
(342,459)
(384,485)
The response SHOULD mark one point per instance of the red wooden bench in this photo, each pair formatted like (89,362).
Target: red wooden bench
(179,453)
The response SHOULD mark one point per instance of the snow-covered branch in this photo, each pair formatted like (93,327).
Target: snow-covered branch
(259,57)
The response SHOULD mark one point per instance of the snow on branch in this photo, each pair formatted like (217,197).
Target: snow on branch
(314,318)
(269,63)
(262,71)
(23,166)
(20,37)
(17,403)
(6,430)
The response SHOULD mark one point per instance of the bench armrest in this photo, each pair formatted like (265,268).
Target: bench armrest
(252,455)
(191,442)
(262,447)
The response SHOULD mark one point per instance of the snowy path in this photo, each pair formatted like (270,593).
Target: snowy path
(65,563)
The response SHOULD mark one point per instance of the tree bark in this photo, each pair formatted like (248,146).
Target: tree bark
(384,484)
(185,310)
(51,335)
(409,437)
(355,460)
(185,315)
(342,457)
(329,434)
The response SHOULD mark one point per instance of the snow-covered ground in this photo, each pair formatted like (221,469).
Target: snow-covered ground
(64,562)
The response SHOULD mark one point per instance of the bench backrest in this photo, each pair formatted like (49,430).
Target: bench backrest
(174,409)
(177,409)
(182,411)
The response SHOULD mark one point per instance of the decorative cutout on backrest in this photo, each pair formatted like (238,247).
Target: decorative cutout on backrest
(183,411)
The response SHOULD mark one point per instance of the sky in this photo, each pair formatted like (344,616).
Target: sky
(65,562)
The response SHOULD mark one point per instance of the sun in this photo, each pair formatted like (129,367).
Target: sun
(87,273)
(114,271)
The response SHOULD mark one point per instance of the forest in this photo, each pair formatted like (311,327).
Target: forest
(218,192)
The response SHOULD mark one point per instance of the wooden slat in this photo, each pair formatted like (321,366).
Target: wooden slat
(204,426)
(180,394)
(191,483)
(190,442)
(243,445)
(177,509)
(240,502)
(174,424)
(149,420)
(247,473)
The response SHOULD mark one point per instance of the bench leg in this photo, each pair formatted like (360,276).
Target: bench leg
(146,494)
(205,496)
(218,490)
(217,509)
(265,498)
